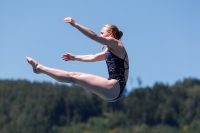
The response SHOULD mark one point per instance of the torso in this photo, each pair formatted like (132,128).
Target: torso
(118,64)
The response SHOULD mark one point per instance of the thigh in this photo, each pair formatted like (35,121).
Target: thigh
(106,89)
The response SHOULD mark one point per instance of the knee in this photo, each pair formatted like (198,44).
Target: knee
(74,76)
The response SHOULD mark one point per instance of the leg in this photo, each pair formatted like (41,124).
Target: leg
(106,89)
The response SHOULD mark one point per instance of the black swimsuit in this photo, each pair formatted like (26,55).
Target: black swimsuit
(116,70)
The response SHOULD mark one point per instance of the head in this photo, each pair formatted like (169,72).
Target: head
(110,30)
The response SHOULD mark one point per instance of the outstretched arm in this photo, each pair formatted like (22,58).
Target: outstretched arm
(85,58)
(109,41)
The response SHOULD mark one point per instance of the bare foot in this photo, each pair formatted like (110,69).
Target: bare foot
(36,66)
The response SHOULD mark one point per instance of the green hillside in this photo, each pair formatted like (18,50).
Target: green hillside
(34,107)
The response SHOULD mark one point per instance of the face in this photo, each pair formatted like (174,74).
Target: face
(105,33)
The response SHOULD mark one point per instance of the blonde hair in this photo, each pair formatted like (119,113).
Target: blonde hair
(115,31)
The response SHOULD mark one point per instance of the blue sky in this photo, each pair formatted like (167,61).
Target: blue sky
(162,38)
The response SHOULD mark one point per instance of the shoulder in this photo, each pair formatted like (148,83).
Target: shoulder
(108,41)
(119,50)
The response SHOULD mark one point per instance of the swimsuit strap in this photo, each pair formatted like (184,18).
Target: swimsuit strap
(125,56)
(126,62)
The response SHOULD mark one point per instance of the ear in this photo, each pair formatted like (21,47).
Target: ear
(111,34)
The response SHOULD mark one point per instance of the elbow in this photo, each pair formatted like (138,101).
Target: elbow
(92,59)
(93,36)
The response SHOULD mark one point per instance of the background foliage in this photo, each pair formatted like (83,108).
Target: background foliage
(32,107)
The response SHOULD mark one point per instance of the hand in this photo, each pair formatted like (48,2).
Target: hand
(70,20)
(68,56)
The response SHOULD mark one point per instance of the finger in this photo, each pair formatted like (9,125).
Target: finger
(65,59)
(65,54)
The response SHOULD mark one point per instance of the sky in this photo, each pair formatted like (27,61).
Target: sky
(162,38)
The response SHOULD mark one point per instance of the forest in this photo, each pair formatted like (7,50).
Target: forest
(44,107)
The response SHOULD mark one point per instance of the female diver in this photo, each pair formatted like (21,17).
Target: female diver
(116,58)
